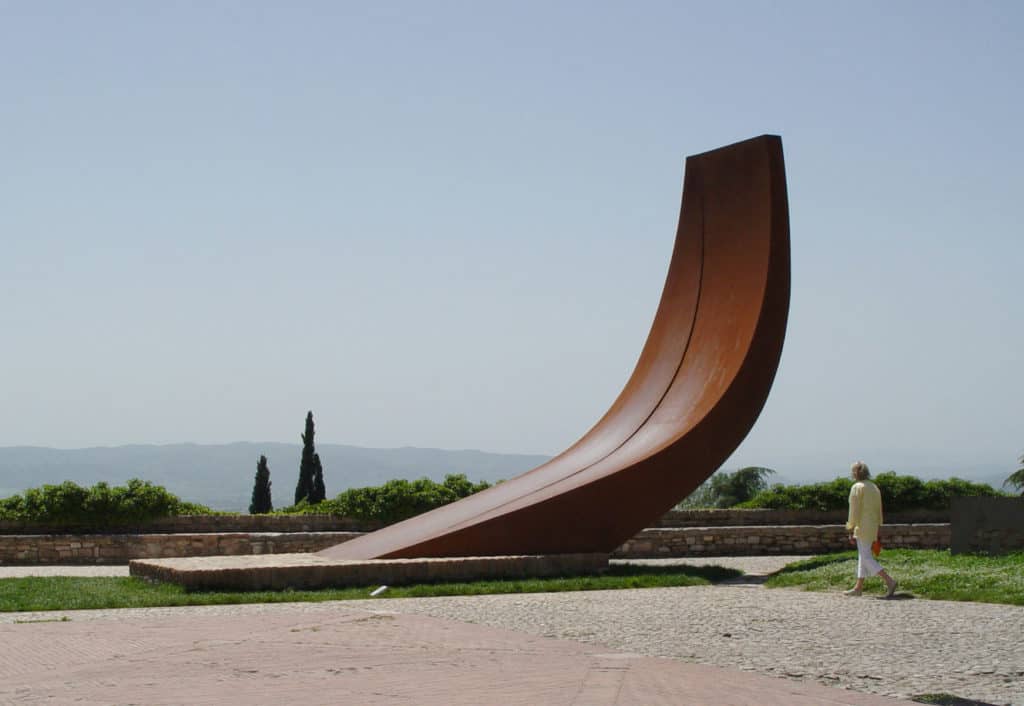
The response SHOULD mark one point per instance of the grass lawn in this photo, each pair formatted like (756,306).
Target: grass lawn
(925,573)
(67,593)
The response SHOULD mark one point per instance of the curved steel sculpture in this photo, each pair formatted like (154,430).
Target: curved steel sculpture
(700,383)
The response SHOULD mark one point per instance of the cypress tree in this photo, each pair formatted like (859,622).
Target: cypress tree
(319,491)
(261,502)
(304,488)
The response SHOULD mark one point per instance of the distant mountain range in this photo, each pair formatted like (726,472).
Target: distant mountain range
(221,476)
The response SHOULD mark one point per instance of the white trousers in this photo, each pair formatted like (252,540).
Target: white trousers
(866,563)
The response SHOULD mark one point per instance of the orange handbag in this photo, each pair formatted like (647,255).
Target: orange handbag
(876,547)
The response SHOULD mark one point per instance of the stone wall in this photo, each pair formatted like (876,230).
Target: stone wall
(650,543)
(754,541)
(987,525)
(121,548)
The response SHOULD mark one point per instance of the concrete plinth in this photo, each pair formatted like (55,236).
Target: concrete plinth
(309,571)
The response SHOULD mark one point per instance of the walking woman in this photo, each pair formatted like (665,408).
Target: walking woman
(863,523)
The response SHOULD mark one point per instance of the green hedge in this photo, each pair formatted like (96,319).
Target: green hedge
(899,493)
(99,506)
(394,501)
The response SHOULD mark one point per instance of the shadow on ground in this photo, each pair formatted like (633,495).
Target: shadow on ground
(947,700)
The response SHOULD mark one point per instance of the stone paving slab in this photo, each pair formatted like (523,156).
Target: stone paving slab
(339,654)
(311,571)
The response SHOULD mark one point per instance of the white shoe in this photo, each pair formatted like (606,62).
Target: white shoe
(853,592)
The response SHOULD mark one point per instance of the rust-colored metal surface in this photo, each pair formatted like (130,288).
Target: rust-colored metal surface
(700,383)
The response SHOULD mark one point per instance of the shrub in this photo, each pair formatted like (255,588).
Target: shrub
(725,489)
(1016,479)
(938,494)
(832,495)
(99,506)
(701,498)
(394,501)
(899,493)
(730,489)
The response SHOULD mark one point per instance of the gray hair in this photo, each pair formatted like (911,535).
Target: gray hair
(860,471)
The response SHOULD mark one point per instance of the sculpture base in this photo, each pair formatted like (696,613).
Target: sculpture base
(278,572)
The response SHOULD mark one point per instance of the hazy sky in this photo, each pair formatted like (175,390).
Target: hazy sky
(447,224)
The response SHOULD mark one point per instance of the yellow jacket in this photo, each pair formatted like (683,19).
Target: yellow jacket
(865,510)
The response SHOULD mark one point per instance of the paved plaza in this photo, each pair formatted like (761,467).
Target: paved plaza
(729,644)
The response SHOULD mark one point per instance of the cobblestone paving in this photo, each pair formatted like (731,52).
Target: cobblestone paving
(896,648)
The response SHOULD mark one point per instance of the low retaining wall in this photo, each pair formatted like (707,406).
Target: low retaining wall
(650,543)
(987,525)
(121,548)
(754,541)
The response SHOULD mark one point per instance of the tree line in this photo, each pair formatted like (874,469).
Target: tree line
(104,507)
